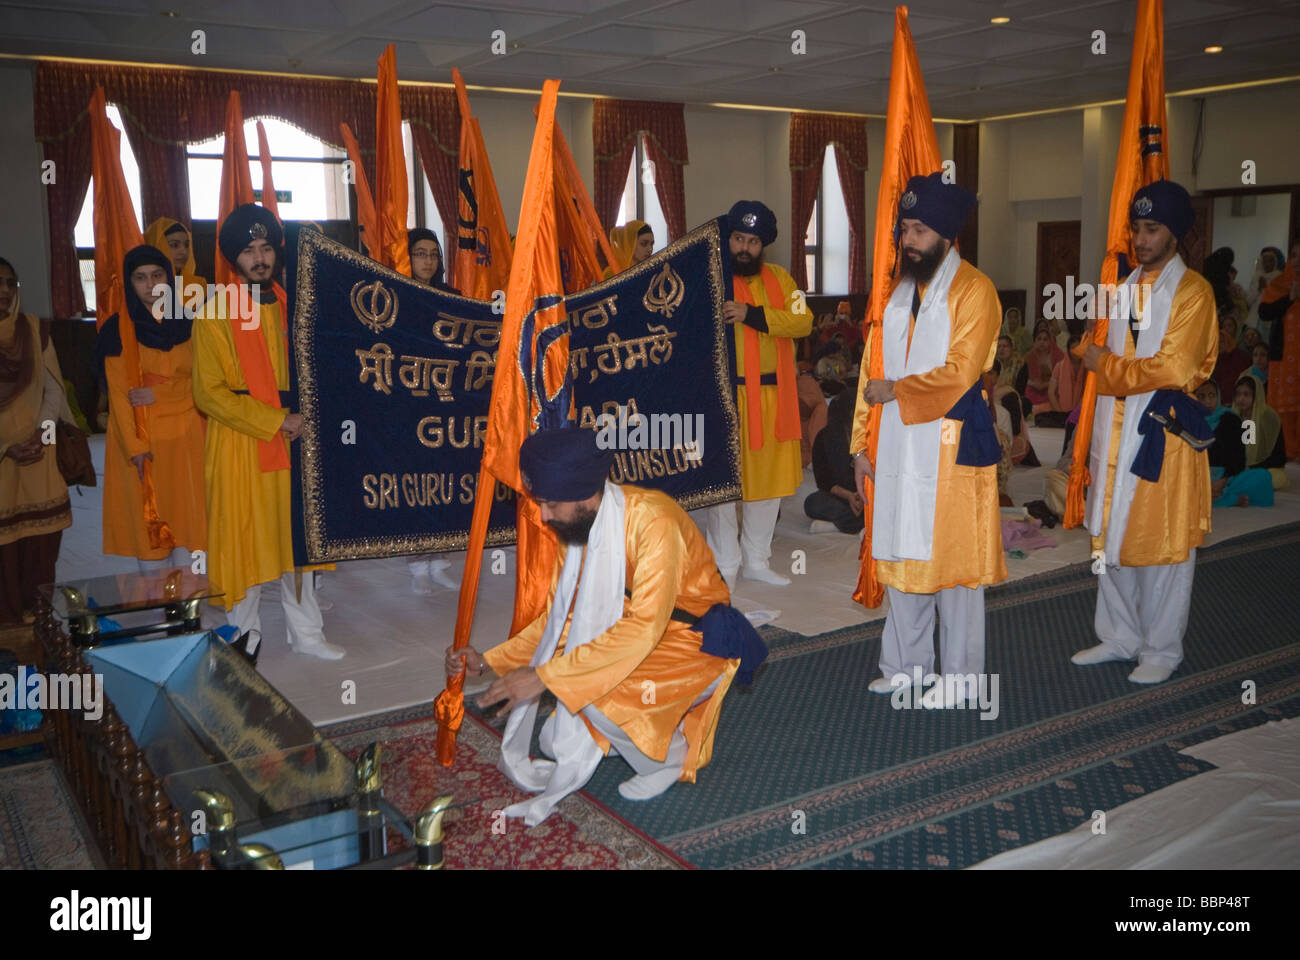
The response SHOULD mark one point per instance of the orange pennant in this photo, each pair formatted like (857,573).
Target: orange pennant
(269,199)
(390,170)
(484,250)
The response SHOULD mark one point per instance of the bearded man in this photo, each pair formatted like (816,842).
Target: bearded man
(936,533)
(641,666)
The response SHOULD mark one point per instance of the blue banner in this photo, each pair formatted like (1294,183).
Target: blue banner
(394,381)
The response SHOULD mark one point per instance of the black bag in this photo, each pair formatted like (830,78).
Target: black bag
(73,451)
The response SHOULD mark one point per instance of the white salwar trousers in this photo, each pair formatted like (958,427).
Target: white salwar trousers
(179,557)
(908,638)
(1142,611)
(754,543)
(302,618)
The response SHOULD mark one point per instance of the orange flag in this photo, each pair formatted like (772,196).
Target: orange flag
(116,232)
(1143,157)
(268,185)
(390,171)
(483,247)
(911,149)
(535,322)
(579,231)
(236,180)
(366,217)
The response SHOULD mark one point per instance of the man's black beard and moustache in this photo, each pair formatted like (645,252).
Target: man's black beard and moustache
(743,265)
(575,530)
(922,269)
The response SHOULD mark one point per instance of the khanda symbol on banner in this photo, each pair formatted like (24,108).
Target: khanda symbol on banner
(665,293)
(374,305)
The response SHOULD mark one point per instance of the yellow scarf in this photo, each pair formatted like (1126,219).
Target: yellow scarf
(156,237)
(623,240)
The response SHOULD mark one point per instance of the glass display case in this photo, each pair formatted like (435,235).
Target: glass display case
(175,592)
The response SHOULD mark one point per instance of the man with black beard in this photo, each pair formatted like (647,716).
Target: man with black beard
(767,316)
(936,536)
(616,645)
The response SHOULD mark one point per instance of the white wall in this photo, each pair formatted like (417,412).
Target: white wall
(24,235)
(1267,227)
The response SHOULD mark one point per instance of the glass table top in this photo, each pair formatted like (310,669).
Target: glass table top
(126,592)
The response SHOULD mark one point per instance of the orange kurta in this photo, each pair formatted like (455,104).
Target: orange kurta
(644,656)
(776,468)
(176,442)
(1170,517)
(967,526)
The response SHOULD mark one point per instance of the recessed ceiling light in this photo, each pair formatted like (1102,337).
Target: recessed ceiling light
(168,13)
(1214,49)
(1000,20)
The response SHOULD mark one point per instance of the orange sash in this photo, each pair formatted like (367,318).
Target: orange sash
(787,396)
(255,362)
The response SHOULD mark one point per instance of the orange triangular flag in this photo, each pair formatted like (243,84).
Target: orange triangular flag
(268,185)
(911,149)
(1143,158)
(519,407)
(366,218)
(236,180)
(390,170)
(116,232)
(580,235)
(483,246)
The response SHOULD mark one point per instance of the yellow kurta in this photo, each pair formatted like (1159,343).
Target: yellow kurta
(249,535)
(967,527)
(176,442)
(33,498)
(668,565)
(775,469)
(1171,516)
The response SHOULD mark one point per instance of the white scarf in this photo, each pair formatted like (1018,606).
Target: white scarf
(1148,345)
(598,607)
(907,456)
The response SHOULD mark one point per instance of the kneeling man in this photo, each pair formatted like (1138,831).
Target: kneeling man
(627,668)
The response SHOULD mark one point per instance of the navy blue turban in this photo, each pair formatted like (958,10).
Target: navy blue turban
(246,223)
(564,464)
(752,216)
(943,207)
(1164,202)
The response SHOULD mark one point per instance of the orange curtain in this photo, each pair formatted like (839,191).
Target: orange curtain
(236,181)
(269,199)
(116,232)
(483,247)
(1143,157)
(390,170)
(518,407)
(911,149)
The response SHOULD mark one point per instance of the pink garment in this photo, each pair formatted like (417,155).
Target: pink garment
(1024,535)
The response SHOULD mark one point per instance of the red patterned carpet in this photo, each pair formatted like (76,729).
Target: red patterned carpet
(579,835)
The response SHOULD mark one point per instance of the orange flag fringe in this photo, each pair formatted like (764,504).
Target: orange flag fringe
(911,149)
(116,232)
(534,293)
(1143,157)
(236,180)
(483,247)
(269,199)
(366,217)
(390,170)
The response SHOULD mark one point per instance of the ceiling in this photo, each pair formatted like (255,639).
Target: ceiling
(695,51)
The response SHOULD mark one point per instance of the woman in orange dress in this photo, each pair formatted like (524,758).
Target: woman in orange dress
(1279,306)
(175,426)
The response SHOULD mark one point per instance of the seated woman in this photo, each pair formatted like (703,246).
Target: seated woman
(1004,398)
(1259,365)
(1236,478)
(1008,361)
(1268,452)
(426,267)
(173,441)
(1066,387)
(1037,375)
(1012,327)
(632,243)
(1233,361)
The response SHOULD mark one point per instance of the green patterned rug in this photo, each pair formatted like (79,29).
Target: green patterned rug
(811,771)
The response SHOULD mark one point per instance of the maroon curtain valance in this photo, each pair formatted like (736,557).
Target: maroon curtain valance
(615,125)
(810,135)
(165,108)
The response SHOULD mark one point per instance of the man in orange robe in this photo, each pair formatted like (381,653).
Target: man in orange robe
(1145,533)
(626,667)
(936,533)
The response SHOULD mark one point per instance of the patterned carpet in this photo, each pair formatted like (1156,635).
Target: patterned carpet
(39,827)
(810,771)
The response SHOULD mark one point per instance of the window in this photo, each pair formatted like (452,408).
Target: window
(641,198)
(422,210)
(826,242)
(84,233)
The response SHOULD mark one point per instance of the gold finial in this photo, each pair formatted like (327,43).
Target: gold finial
(217,809)
(262,857)
(369,773)
(428,830)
